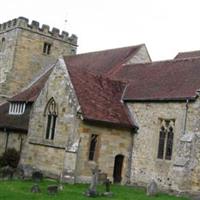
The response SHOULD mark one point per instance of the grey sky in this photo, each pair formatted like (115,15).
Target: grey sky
(165,26)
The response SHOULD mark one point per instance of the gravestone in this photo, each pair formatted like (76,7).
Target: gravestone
(108,192)
(35,188)
(6,172)
(37,176)
(52,189)
(92,190)
(107,184)
(19,173)
(152,188)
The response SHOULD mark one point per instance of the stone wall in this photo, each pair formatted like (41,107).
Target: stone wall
(23,55)
(48,155)
(6,57)
(2,142)
(15,140)
(141,56)
(145,164)
(111,142)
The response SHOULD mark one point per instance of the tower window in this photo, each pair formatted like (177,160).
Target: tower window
(2,44)
(166,136)
(47,48)
(93,144)
(51,112)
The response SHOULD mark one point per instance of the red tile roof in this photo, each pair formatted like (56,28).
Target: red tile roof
(100,98)
(189,54)
(31,93)
(165,80)
(102,62)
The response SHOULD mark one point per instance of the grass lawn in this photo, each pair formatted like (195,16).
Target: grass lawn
(20,190)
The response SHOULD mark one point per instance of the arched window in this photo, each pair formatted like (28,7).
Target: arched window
(93,145)
(166,136)
(51,114)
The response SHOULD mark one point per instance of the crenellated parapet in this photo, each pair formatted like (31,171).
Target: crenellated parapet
(22,22)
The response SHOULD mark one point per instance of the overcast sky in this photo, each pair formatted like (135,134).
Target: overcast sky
(165,26)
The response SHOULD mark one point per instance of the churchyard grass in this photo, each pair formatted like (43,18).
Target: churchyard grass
(20,190)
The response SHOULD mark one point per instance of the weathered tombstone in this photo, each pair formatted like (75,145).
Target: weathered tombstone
(52,189)
(152,188)
(92,190)
(7,172)
(19,173)
(108,192)
(107,184)
(37,176)
(35,188)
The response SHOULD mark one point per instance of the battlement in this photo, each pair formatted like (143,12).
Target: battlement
(22,22)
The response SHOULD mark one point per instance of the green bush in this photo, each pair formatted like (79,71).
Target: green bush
(10,157)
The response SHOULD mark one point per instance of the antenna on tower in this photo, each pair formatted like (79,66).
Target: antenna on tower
(65,22)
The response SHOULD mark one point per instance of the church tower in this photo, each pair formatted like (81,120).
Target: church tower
(26,49)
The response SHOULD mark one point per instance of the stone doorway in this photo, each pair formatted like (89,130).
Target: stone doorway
(117,172)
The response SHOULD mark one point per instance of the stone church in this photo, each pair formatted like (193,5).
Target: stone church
(136,119)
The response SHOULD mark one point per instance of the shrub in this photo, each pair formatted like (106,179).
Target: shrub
(10,157)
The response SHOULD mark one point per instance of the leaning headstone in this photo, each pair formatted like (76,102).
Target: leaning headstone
(37,176)
(35,188)
(152,188)
(52,189)
(92,190)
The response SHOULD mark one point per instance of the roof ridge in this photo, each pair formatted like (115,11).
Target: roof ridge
(164,61)
(104,50)
(188,51)
(116,68)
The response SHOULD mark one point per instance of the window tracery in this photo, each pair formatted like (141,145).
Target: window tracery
(51,113)
(166,136)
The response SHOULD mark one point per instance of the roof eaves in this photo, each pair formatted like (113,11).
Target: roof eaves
(123,125)
(192,98)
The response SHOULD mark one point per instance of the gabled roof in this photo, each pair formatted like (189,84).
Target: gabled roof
(100,98)
(164,80)
(189,54)
(31,93)
(102,62)
(14,122)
